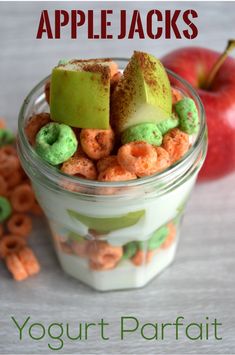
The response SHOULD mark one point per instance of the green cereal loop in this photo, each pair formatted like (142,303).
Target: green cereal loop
(147,132)
(188,115)
(6,137)
(5,209)
(168,124)
(158,237)
(143,245)
(56,143)
(129,250)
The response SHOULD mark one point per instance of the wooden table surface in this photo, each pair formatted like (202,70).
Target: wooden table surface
(201,281)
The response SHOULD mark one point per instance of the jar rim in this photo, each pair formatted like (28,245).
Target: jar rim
(55,175)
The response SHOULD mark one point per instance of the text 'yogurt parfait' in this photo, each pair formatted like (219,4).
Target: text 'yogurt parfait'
(113,149)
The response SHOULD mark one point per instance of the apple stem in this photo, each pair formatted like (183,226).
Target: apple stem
(219,62)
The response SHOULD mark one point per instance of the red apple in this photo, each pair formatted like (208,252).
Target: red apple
(195,65)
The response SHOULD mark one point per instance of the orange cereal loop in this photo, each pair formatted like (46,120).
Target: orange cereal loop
(80,248)
(10,244)
(9,162)
(104,163)
(47,91)
(70,186)
(142,257)
(16,268)
(101,266)
(97,143)
(139,158)
(80,153)
(163,159)
(9,150)
(34,124)
(170,237)
(103,256)
(176,95)
(3,187)
(65,247)
(2,123)
(80,166)
(29,260)
(15,179)
(19,224)
(116,173)
(176,143)
(22,198)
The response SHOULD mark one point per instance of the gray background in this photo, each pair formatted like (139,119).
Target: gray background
(201,281)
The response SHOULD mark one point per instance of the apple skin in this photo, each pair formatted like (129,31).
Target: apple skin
(194,65)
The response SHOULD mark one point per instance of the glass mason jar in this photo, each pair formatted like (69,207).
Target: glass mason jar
(114,235)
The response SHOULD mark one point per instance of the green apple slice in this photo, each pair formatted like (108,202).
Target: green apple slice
(142,95)
(109,224)
(79,93)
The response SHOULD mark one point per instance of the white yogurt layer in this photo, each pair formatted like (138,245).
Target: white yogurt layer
(125,275)
(154,213)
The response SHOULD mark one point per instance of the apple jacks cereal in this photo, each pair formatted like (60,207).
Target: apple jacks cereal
(17,200)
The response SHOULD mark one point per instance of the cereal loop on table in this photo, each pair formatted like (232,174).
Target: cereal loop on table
(1,230)
(3,187)
(139,158)
(15,179)
(9,161)
(19,224)
(22,198)
(10,151)
(142,257)
(103,256)
(176,143)
(116,173)
(97,143)
(80,166)
(6,137)
(29,261)
(16,268)
(34,124)
(5,209)
(2,123)
(10,244)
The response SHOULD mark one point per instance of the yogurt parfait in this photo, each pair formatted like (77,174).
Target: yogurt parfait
(113,148)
